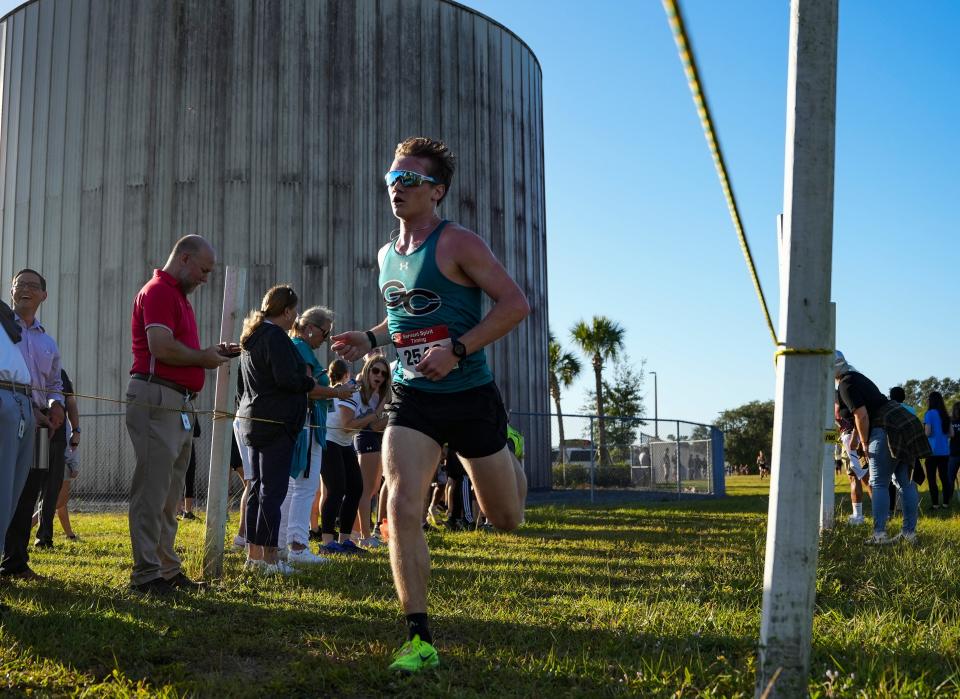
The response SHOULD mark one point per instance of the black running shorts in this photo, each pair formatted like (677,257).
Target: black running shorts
(472,422)
(368,442)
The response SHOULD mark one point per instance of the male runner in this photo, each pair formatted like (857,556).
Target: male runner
(432,278)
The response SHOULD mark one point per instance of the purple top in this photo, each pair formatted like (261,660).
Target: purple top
(42,356)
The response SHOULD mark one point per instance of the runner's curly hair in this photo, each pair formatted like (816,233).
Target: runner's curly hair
(442,161)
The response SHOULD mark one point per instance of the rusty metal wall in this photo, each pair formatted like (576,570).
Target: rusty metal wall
(266,127)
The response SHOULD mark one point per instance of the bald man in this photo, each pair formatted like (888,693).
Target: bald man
(167,373)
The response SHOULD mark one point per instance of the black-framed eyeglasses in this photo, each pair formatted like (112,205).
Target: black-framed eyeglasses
(30,286)
(407,178)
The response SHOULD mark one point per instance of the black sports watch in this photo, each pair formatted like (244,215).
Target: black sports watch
(459,349)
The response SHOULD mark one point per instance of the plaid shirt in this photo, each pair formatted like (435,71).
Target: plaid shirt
(905,436)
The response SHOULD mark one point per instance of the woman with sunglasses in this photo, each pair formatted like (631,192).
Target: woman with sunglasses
(373,386)
(272,411)
(310,330)
(341,474)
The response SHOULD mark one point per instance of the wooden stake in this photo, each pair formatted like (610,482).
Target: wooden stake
(219,476)
(793,524)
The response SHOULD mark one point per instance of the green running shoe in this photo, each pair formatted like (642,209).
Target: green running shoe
(415,655)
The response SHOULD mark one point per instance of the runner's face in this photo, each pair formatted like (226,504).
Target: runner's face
(410,203)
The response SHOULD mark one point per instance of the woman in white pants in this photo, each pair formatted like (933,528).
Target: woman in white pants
(310,330)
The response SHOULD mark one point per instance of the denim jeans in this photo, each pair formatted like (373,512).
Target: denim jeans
(882,469)
(953,465)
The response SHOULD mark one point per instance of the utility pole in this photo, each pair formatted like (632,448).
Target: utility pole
(656,412)
(802,377)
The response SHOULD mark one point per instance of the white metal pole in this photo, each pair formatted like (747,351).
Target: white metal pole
(793,524)
(219,475)
(828,488)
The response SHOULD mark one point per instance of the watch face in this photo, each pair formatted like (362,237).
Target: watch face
(459,349)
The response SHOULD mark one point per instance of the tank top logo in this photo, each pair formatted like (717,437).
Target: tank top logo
(415,302)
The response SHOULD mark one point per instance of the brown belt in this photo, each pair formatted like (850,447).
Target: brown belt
(153,378)
(17,387)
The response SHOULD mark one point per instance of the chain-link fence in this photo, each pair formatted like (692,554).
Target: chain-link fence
(665,456)
(668,456)
(107,462)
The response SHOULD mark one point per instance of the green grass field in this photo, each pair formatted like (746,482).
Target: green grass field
(650,600)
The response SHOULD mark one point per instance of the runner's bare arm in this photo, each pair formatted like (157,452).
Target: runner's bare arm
(353,344)
(477,262)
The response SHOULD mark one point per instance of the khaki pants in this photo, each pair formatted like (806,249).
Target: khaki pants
(162,447)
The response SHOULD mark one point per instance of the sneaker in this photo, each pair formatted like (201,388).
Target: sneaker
(278,568)
(305,557)
(415,655)
(333,547)
(315,535)
(187,515)
(349,547)
(855,519)
(880,540)
(239,543)
(43,544)
(252,566)
(282,553)
(371,542)
(72,537)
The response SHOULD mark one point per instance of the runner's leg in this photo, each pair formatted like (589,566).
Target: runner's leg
(409,458)
(501,487)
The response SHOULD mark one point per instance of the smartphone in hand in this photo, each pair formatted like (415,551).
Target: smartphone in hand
(229,349)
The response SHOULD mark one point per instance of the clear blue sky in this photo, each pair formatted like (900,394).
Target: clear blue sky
(638,228)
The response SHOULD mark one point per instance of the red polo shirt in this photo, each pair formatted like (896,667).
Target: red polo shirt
(162,303)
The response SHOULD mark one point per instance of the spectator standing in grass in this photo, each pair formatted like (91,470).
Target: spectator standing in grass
(273,409)
(17,421)
(190,480)
(338,374)
(71,459)
(953,463)
(857,474)
(167,373)
(342,476)
(894,439)
(374,389)
(310,331)
(42,357)
(939,431)
(50,496)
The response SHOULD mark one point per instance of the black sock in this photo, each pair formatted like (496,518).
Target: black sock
(417,625)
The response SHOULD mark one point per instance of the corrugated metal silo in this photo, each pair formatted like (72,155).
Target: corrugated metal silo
(266,127)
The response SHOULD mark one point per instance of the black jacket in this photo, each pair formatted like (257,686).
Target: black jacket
(9,323)
(275,386)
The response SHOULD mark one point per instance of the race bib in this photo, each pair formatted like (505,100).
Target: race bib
(412,345)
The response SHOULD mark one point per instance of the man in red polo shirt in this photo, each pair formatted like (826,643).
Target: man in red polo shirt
(168,372)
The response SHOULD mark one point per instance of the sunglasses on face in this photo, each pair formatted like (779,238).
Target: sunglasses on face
(324,334)
(407,178)
(376,371)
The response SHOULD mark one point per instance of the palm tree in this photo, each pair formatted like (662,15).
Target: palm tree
(603,340)
(564,368)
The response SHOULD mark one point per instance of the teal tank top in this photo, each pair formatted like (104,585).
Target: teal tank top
(425,309)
